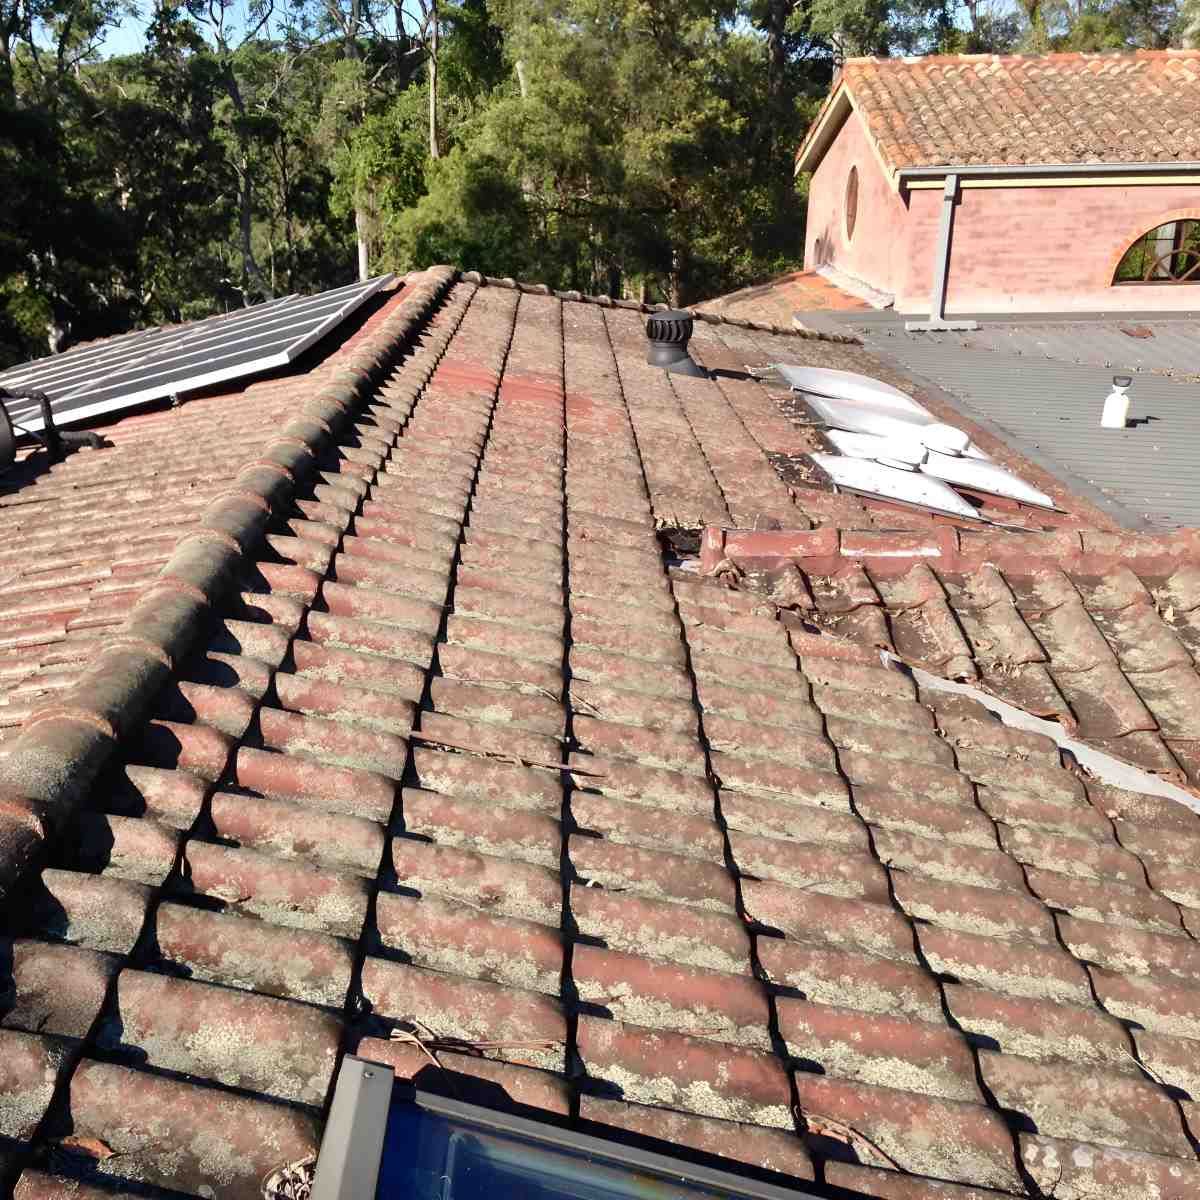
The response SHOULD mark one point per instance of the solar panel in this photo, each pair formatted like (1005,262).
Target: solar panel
(125,371)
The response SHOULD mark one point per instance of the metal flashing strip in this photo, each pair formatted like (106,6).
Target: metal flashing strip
(1050,174)
(352,1145)
(1104,767)
(348,1166)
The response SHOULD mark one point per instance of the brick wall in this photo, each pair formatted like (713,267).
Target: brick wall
(877,253)
(1029,249)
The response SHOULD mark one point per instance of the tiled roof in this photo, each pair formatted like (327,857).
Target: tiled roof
(780,298)
(416,733)
(1100,631)
(968,109)
(79,543)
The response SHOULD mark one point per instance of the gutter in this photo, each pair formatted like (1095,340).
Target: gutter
(979,176)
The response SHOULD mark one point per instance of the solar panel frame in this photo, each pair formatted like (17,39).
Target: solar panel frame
(154,364)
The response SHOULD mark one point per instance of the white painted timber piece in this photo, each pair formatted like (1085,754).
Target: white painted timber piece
(888,483)
(983,477)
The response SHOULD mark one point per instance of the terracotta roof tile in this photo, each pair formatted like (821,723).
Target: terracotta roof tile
(455,756)
(962,110)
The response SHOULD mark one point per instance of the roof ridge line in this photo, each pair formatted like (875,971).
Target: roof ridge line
(543,289)
(62,747)
(1026,56)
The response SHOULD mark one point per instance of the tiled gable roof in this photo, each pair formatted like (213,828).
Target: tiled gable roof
(962,110)
(435,744)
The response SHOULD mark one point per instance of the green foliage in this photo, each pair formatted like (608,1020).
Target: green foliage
(593,177)
(633,147)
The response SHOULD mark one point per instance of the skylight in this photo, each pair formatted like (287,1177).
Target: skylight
(388,1141)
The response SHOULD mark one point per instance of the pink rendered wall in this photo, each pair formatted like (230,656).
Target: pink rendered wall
(877,253)
(1043,249)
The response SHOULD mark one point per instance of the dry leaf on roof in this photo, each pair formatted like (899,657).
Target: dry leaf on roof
(92,1147)
(292,1182)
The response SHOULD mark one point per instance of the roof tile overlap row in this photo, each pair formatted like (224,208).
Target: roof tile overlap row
(1013,110)
(1061,627)
(462,778)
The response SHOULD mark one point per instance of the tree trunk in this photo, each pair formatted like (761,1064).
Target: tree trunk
(434,152)
(7,81)
(289,233)
(251,272)
(360,229)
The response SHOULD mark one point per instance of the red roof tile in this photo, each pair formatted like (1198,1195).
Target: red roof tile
(427,740)
(1013,110)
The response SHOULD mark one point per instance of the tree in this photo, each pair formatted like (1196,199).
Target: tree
(621,192)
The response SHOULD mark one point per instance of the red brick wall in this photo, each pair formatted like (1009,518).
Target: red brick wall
(1029,249)
(1044,249)
(877,253)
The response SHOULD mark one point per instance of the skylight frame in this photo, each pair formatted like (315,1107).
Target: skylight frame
(352,1147)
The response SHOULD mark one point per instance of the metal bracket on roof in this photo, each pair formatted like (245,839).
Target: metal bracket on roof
(352,1147)
(941,270)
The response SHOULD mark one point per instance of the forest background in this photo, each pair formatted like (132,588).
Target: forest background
(159,164)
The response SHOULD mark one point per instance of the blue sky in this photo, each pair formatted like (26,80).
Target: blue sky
(130,35)
(126,38)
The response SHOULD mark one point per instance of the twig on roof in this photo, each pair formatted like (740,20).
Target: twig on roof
(1147,1068)
(411,1039)
(824,1126)
(433,1043)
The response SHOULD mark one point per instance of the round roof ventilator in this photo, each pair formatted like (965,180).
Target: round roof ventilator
(669,332)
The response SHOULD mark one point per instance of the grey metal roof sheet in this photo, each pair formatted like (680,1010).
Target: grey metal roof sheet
(1050,409)
(1172,349)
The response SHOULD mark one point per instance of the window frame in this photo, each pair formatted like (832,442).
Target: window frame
(1187,230)
(348,1165)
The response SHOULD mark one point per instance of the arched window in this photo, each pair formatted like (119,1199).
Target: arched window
(851,202)
(1168,254)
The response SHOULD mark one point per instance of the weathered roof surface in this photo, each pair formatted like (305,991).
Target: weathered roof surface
(82,541)
(1013,110)
(1096,630)
(1044,383)
(779,299)
(1150,344)
(438,745)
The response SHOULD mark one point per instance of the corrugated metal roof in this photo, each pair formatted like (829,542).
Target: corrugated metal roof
(1172,349)
(1051,408)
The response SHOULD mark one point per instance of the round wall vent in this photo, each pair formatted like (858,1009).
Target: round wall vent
(851,202)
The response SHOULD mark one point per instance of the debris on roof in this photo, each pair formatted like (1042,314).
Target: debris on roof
(781,298)
(409,743)
(883,437)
